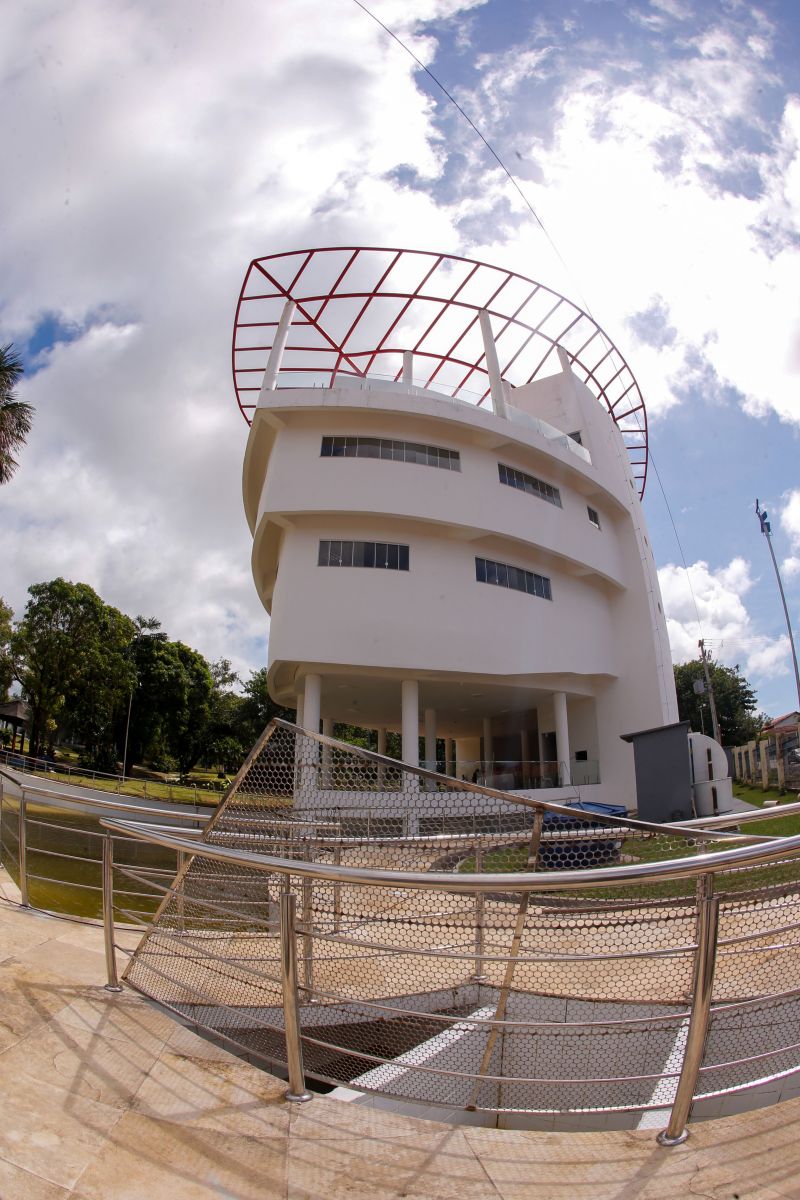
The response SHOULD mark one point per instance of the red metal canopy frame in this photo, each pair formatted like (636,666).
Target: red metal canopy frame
(359,308)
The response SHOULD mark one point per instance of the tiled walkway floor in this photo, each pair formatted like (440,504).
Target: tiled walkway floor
(102,1097)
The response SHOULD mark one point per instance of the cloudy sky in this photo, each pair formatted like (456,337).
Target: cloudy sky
(153,149)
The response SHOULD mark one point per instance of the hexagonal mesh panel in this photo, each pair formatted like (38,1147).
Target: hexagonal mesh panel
(430,987)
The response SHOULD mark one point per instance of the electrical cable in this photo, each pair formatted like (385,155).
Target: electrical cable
(555,248)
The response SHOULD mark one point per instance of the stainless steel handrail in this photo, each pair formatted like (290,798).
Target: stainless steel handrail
(302,928)
(69,803)
(550,881)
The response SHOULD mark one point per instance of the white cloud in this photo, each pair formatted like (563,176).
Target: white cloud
(790,517)
(716,597)
(664,178)
(161,149)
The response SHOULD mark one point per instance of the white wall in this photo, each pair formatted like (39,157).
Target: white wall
(602,639)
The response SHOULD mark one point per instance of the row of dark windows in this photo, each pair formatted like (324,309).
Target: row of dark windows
(530,484)
(517,578)
(353,446)
(391,449)
(388,556)
(394,557)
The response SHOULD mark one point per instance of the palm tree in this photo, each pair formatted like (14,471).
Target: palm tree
(16,417)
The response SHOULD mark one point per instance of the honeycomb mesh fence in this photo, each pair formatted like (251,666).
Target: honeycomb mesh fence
(418,982)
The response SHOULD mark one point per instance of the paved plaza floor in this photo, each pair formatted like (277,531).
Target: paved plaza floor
(104,1097)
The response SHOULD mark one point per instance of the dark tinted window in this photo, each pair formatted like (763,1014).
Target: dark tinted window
(389,556)
(515,578)
(511,477)
(388,448)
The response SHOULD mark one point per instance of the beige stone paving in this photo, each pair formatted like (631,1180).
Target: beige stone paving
(104,1097)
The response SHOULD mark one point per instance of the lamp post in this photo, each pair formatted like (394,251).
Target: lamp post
(766,529)
(127,731)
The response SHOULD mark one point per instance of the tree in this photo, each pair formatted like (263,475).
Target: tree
(16,417)
(224,747)
(6,660)
(69,655)
(171,703)
(258,709)
(734,697)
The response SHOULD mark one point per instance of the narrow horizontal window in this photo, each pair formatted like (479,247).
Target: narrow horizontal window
(515,578)
(392,450)
(594,518)
(388,556)
(511,477)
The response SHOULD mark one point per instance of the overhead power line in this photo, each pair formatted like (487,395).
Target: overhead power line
(488,145)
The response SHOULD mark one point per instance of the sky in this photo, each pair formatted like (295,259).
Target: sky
(152,150)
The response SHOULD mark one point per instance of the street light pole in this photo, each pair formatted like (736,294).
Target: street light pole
(766,529)
(127,730)
(709,688)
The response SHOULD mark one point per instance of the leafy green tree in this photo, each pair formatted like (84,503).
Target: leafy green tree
(258,709)
(734,697)
(186,724)
(16,417)
(171,702)
(6,660)
(69,653)
(224,747)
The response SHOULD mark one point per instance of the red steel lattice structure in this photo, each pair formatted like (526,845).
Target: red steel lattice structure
(359,308)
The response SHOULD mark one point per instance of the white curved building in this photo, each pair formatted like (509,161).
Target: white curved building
(443,482)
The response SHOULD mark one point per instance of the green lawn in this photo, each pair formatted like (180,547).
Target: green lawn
(146,789)
(777,826)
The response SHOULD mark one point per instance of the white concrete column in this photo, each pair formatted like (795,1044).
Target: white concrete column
(408,366)
(430,738)
(381,750)
(276,353)
(308,748)
(410,721)
(492,365)
(312,700)
(525,755)
(327,753)
(562,735)
(299,706)
(468,757)
(487,743)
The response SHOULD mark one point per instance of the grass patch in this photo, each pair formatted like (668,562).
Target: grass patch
(772,826)
(143,789)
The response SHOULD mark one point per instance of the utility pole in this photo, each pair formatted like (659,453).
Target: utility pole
(766,529)
(710,690)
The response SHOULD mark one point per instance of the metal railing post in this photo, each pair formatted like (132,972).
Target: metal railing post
(22,843)
(337,893)
(511,963)
(308,933)
(705,962)
(478,975)
(291,1011)
(179,904)
(113,984)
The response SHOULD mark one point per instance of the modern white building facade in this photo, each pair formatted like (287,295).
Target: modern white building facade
(452,548)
